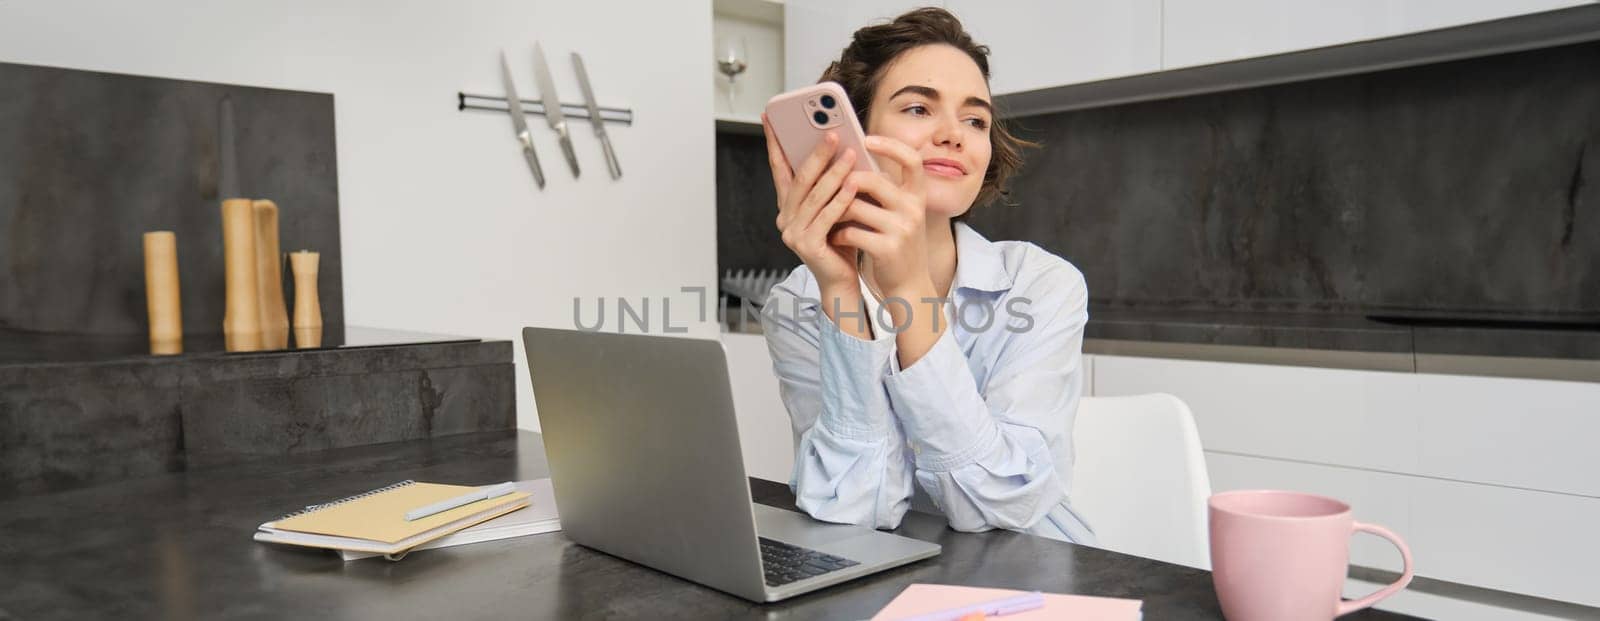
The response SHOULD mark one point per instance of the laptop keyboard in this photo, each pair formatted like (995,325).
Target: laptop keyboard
(784,563)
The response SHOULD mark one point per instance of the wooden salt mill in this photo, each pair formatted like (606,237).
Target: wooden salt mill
(241,322)
(307,308)
(269,278)
(162,297)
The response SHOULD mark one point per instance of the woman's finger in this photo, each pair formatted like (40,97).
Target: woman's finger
(910,162)
(879,187)
(860,237)
(833,212)
(782,172)
(826,188)
(868,214)
(817,162)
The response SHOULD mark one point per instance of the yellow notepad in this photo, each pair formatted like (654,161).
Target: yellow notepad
(376,521)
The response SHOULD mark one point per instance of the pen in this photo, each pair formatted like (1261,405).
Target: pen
(482,493)
(996,608)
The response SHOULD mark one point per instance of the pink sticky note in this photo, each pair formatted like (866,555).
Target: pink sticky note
(920,599)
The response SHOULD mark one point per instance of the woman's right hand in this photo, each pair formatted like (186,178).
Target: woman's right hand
(811,199)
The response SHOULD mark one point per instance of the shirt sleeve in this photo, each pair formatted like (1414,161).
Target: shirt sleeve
(999,455)
(850,464)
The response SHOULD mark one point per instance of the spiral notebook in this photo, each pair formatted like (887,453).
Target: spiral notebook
(541,516)
(375,521)
(919,601)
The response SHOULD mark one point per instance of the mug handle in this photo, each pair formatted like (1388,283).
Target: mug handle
(1347,607)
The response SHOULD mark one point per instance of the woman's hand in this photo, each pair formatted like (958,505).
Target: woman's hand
(893,232)
(811,200)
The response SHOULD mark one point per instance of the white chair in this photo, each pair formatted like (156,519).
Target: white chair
(1139,477)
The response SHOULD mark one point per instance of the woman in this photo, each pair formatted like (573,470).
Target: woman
(980,416)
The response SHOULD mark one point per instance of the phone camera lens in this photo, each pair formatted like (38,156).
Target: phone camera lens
(828,102)
(821,117)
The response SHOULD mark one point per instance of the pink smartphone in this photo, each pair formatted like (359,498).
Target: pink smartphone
(801,117)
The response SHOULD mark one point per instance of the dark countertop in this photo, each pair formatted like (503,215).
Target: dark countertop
(1472,347)
(1339,340)
(1249,329)
(31,348)
(178,546)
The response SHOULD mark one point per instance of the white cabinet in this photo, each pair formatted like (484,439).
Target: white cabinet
(744,26)
(1383,500)
(1040,44)
(1501,538)
(1033,44)
(1494,481)
(1199,32)
(1533,434)
(764,430)
(1366,419)
(816,31)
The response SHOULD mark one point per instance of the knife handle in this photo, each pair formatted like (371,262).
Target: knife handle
(611,158)
(572,156)
(533,164)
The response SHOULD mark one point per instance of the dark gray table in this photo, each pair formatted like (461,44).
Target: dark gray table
(178,547)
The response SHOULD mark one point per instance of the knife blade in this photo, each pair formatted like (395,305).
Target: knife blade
(594,117)
(552,106)
(227,152)
(519,122)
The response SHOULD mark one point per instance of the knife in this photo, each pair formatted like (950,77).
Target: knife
(552,106)
(519,123)
(227,153)
(594,117)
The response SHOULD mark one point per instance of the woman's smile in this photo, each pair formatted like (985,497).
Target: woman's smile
(941,167)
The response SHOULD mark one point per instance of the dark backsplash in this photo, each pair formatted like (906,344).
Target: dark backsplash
(747,207)
(1467,187)
(1463,188)
(90,161)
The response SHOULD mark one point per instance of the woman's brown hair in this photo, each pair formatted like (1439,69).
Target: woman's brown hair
(862,66)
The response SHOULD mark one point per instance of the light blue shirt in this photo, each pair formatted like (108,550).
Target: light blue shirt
(982,422)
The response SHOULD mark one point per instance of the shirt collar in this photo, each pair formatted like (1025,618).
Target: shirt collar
(979,264)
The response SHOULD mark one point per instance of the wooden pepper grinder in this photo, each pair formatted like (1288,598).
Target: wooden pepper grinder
(162,297)
(307,308)
(241,322)
(269,278)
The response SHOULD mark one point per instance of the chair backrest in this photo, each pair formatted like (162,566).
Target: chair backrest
(1139,477)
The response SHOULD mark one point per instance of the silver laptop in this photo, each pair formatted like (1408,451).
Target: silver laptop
(644,454)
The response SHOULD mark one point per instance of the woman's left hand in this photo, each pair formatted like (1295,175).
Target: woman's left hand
(893,232)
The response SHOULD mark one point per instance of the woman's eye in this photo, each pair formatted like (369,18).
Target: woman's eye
(917,110)
(979,123)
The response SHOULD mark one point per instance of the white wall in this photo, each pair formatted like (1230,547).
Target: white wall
(442,227)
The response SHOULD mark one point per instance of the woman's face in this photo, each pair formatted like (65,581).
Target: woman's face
(934,99)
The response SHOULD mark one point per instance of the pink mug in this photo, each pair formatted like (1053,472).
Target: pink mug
(1283,556)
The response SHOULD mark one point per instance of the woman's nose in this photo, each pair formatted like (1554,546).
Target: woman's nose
(948,133)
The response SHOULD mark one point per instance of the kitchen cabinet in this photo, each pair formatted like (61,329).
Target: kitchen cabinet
(1533,434)
(1524,433)
(1493,481)
(1032,44)
(758,25)
(1035,45)
(1199,32)
(1364,419)
(816,31)
(1502,538)
(764,430)
(1050,56)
